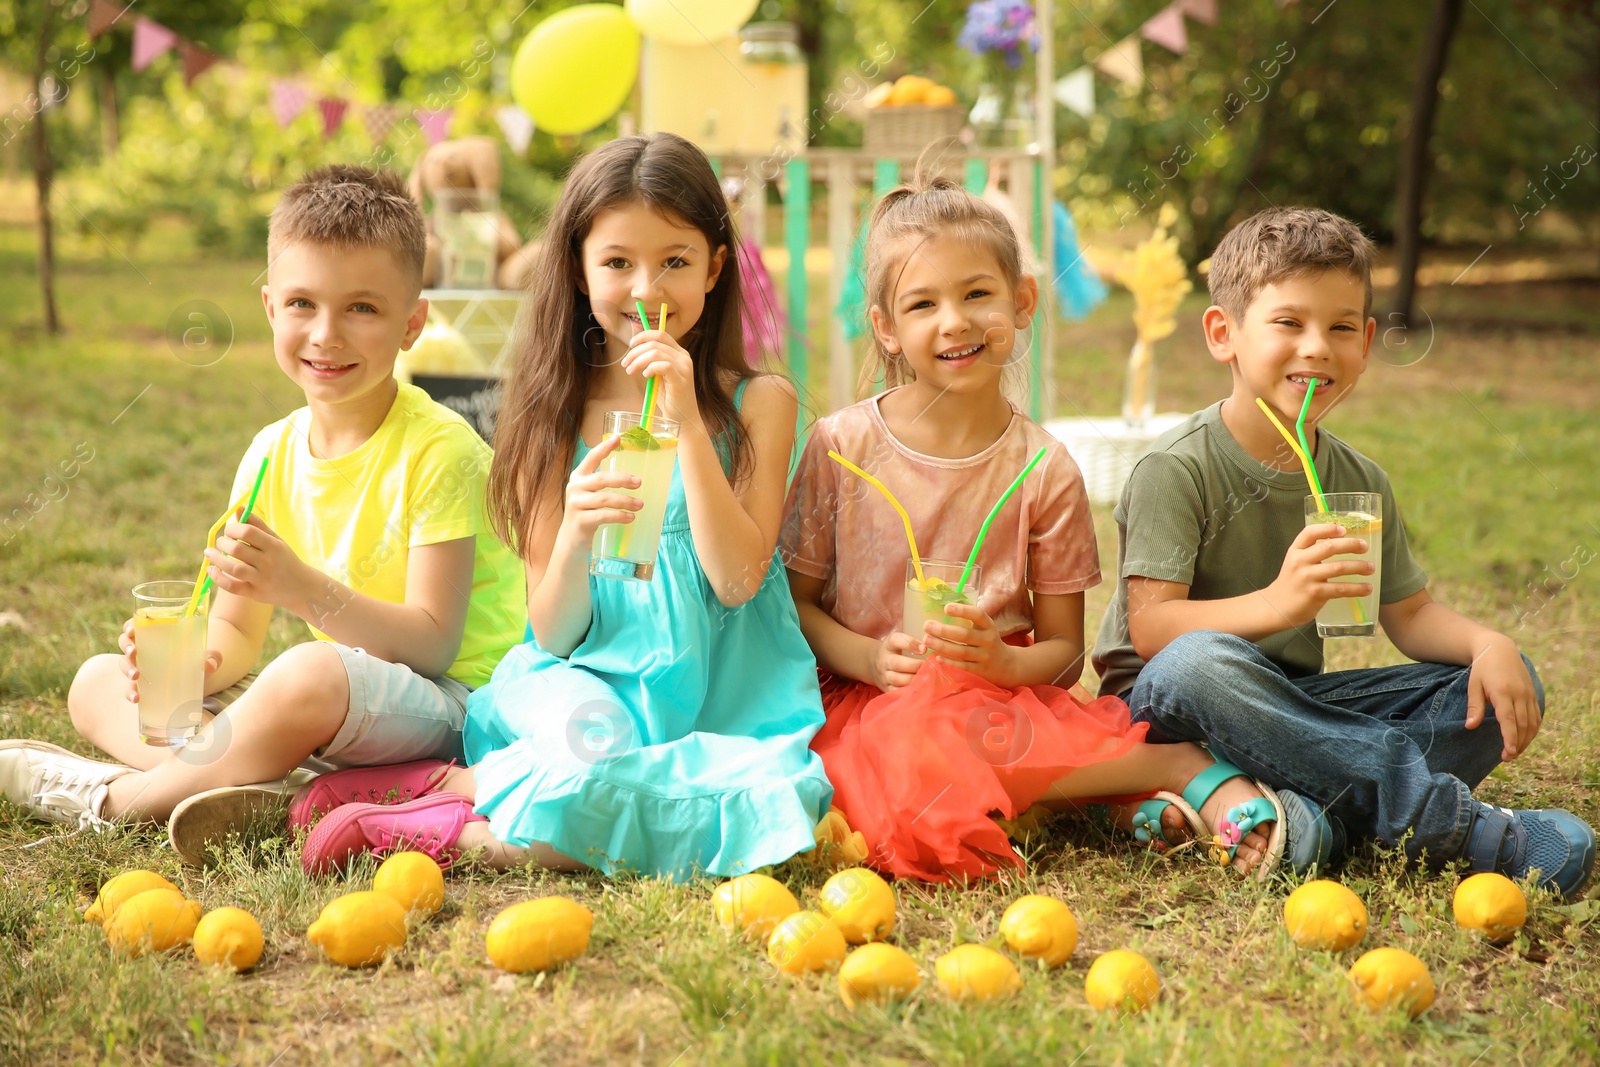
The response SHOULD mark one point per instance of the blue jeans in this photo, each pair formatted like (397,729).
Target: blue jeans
(1385,750)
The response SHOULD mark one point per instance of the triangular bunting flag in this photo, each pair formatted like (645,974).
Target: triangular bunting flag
(196,60)
(289,98)
(1166,28)
(103,14)
(516,125)
(1122,61)
(1076,92)
(379,119)
(435,124)
(150,41)
(332,114)
(1201,10)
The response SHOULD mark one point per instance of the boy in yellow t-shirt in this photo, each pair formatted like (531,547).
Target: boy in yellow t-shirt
(370,526)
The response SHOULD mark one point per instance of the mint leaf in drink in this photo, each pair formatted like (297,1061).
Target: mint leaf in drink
(944,594)
(639,439)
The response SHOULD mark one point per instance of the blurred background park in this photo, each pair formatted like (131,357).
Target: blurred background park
(143,145)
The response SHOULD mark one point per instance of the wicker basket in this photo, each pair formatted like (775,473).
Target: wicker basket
(910,128)
(1106,449)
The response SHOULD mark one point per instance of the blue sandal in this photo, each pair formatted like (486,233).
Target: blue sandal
(1223,842)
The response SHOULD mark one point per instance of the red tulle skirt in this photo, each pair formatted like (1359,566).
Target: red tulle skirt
(923,771)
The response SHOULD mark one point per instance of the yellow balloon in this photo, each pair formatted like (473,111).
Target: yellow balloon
(690,21)
(576,68)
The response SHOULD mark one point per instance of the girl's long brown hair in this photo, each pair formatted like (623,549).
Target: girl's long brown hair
(536,431)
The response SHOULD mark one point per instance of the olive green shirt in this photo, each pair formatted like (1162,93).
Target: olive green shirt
(1201,511)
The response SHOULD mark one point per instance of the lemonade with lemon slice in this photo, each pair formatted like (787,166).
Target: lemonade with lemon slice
(926,599)
(628,549)
(171,648)
(1361,515)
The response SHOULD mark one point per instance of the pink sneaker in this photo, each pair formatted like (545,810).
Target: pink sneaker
(432,825)
(394,784)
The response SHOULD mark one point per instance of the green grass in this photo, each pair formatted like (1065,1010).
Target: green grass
(1489,442)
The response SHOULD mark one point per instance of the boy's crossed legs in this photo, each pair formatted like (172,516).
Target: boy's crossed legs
(318,702)
(1385,750)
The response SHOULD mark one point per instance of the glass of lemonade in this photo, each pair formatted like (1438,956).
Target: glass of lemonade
(1361,515)
(171,651)
(926,601)
(628,549)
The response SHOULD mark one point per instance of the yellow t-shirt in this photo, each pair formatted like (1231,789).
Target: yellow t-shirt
(418,480)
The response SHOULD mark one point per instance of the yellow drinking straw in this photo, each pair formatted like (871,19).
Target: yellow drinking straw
(916,560)
(1311,479)
(1300,453)
(211,542)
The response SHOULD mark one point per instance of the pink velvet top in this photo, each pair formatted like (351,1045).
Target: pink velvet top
(839,528)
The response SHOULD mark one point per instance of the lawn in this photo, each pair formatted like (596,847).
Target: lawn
(1489,439)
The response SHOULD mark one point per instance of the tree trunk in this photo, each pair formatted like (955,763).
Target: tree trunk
(1416,162)
(110,132)
(41,176)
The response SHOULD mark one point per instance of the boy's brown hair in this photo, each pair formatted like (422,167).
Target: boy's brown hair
(348,206)
(1284,242)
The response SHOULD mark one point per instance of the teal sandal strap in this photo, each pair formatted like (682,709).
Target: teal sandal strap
(1208,781)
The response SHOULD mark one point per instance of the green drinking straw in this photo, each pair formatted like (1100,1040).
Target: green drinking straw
(649,383)
(1311,466)
(983,531)
(244,516)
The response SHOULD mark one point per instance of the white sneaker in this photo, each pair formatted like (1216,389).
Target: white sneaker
(56,785)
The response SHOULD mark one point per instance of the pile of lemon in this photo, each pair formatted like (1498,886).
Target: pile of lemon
(857,907)
(142,912)
(911,90)
(1326,915)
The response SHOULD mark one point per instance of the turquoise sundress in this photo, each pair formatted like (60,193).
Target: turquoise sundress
(674,741)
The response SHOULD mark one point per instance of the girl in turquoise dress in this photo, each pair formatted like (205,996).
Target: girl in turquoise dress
(658,726)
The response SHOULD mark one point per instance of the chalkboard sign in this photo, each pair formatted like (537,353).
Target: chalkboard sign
(474,398)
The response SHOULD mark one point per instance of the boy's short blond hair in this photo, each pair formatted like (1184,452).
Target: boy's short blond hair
(1284,242)
(347,206)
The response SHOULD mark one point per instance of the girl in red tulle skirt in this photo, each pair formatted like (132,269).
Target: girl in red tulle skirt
(946,711)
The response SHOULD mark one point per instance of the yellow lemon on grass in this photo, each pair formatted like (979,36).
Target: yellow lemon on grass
(359,929)
(860,903)
(753,903)
(976,972)
(877,973)
(805,941)
(1493,904)
(229,937)
(1040,927)
(537,935)
(119,890)
(414,880)
(1121,979)
(154,921)
(1325,914)
(1393,977)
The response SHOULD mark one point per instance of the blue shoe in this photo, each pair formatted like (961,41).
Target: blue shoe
(1515,843)
(1316,838)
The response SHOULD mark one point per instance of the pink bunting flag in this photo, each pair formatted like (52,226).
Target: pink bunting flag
(1201,10)
(151,40)
(435,124)
(103,14)
(332,114)
(1166,28)
(379,119)
(289,98)
(763,321)
(196,60)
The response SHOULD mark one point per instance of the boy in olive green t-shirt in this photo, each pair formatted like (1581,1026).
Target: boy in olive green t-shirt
(1211,634)
(370,527)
